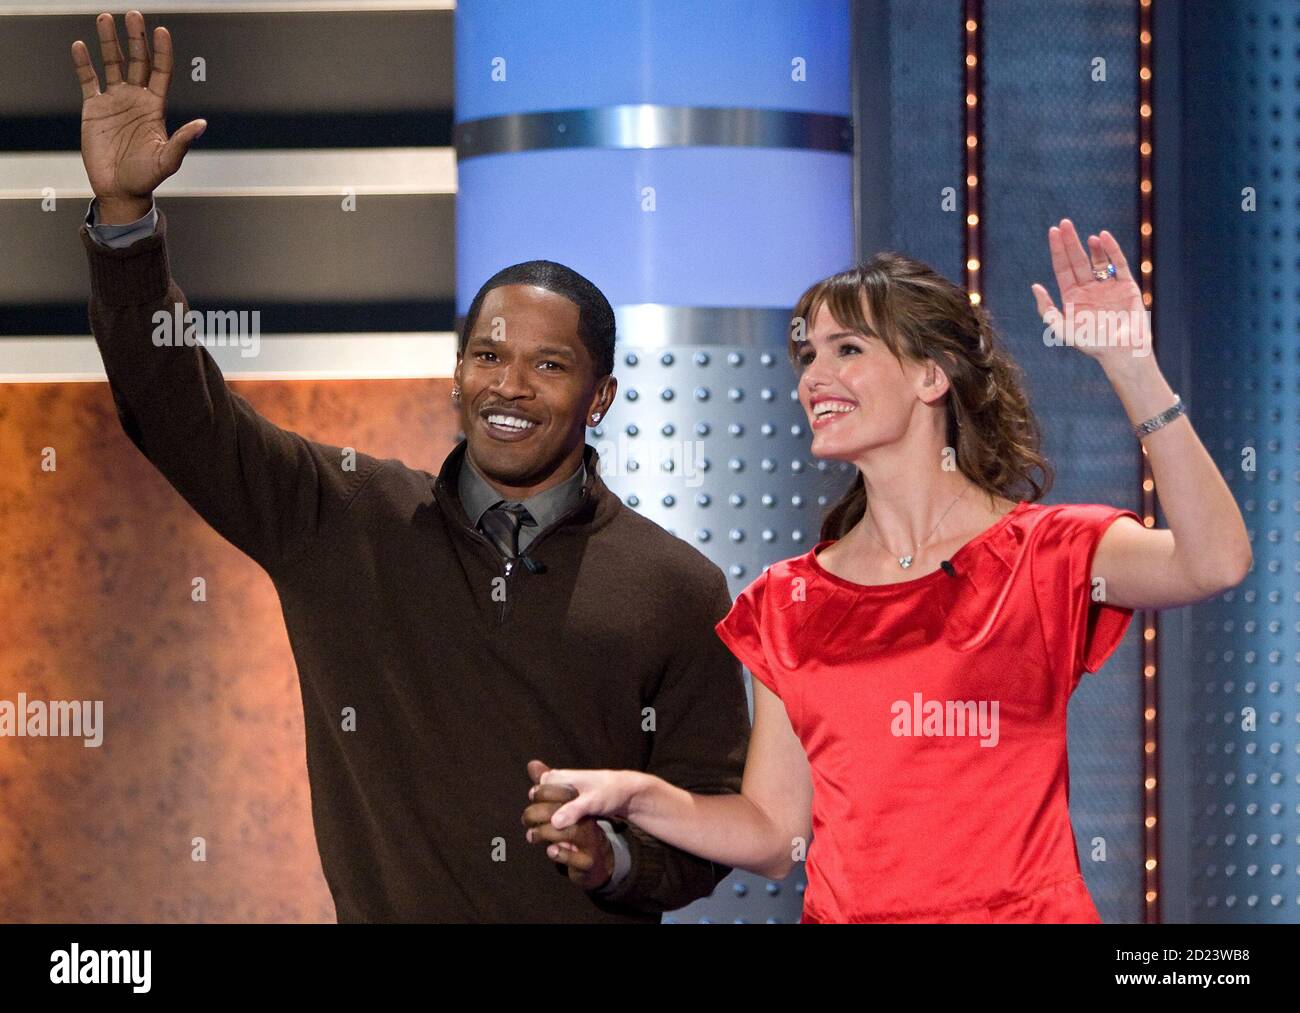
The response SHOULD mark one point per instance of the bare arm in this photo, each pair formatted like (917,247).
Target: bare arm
(757,830)
(1206,548)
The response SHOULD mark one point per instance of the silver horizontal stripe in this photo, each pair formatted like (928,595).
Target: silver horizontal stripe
(653,126)
(655,325)
(264,173)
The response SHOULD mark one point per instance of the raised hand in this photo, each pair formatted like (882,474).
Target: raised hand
(1105,319)
(124,143)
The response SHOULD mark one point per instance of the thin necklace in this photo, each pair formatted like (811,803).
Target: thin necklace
(906,561)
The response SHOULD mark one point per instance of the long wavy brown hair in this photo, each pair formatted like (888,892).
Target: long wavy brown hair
(920,314)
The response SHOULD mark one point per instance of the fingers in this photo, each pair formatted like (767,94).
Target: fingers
(1049,315)
(1073,266)
(85,70)
(137,70)
(574,858)
(1112,249)
(553,814)
(571,812)
(1047,311)
(536,768)
(161,77)
(1074,252)
(1096,255)
(539,812)
(543,831)
(144,69)
(553,793)
(598,792)
(576,778)
(537,818)
(1060,262)
(543,813)
(572,845)
(110,52)
(179,143)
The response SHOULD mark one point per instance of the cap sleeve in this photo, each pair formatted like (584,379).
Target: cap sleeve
(1080,629)
(740,630)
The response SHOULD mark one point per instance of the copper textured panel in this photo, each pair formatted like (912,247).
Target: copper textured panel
(202,716)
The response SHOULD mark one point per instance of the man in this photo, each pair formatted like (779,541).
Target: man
(454,634)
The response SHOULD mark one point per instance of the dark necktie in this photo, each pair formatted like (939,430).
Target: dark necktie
(501,524)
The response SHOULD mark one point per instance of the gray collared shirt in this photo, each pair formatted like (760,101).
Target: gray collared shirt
(477,496)
(118,236)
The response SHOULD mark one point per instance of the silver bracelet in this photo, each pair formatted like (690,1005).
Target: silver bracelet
(1160,421)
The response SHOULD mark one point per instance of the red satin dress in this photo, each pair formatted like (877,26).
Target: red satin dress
(933,713)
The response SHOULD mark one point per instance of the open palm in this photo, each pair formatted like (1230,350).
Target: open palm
(1102,318)
(124,143)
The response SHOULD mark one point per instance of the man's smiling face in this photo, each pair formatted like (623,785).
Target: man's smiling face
(527,386)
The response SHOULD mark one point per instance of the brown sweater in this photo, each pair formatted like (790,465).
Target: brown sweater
(387,593)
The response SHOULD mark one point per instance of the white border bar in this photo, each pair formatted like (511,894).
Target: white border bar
(276,172)
(151,7)
(378,356)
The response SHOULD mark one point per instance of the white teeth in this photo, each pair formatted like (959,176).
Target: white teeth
(826,407)
(510,422)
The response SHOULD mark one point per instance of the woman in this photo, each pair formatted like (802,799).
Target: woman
(914,668)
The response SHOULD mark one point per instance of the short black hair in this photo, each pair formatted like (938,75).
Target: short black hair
(595,316)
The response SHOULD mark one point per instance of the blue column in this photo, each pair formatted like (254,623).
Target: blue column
(694,160)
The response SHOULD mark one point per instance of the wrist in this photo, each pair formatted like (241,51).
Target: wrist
(1126,368)
(122,210)
(1142,390)
(642,788)
(606,862)
(1140,385)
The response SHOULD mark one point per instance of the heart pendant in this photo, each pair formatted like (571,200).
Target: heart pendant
(905,561)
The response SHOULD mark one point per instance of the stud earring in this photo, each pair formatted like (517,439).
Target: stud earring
(595,418)
(455,392)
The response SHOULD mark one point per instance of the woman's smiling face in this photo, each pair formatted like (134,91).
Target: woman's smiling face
(855,393)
